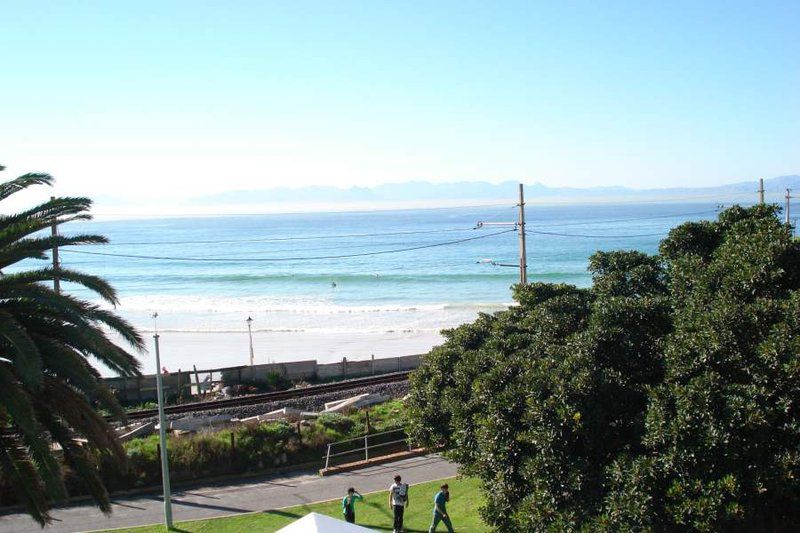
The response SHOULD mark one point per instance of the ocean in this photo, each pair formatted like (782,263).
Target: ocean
(331,285)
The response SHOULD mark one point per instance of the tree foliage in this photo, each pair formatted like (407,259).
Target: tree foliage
(47,384)
(663,398)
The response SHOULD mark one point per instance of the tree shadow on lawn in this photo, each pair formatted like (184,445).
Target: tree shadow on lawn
(176,501)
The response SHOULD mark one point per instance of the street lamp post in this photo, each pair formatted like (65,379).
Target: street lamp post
(250,334)
(162,432)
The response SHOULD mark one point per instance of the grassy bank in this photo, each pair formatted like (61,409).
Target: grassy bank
(251,448)
(372,513)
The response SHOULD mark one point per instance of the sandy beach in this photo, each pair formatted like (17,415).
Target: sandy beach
(181,350)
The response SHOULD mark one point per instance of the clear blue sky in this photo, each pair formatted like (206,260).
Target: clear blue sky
(196,97)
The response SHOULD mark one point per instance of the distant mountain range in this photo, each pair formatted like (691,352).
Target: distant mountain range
(414,191)
(422,195)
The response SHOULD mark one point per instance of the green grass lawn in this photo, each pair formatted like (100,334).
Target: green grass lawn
(373,513)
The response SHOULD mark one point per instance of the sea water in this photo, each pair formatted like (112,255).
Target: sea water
(381,276)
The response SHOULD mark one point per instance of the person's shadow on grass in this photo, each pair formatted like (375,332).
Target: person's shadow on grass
(384,528)
(389,519)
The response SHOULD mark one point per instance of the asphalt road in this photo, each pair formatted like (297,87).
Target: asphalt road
(231,497)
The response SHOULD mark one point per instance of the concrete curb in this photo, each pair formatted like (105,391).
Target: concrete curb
(349,467)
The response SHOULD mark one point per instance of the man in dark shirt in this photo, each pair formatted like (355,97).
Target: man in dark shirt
(440,509)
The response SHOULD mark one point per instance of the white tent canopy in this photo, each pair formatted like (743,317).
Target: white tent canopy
(318,523)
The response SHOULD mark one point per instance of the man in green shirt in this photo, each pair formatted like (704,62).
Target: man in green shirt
(440,509)
(349,505)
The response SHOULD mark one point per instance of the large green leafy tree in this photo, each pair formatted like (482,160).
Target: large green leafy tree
(663,398)
(47,385)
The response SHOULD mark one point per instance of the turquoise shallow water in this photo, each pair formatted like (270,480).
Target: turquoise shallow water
(327,272)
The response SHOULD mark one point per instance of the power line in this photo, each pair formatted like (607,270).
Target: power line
(306,238)
(398,233)
(595,236)
(599,222)
(657,200)
(321,248)
(280,259)
(171,215)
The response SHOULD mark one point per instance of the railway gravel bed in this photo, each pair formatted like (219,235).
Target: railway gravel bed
(312,402)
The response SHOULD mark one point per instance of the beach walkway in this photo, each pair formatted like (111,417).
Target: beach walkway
(232,497)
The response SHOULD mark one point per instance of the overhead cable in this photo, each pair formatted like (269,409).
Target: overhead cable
(600,222)
(283,259)
(301,238)
(552,233)
(400,233)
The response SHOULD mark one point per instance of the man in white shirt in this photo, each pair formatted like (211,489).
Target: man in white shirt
(398,500)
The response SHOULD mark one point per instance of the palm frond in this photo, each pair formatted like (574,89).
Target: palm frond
(35,303)
(92,342)
(19,405)
(40,247)
(17,466)
(53,209)
(18,347)
(74,409)
(47,385)
(23,182)
(59,210)
(64,362)
(20,280)
(119,325)
(79,459)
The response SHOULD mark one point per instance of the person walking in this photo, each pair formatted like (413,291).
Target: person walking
(349,505)
(398,500)
(440,509)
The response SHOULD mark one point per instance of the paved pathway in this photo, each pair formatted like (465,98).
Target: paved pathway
(252,494)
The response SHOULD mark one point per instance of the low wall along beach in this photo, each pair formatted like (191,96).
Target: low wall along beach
(189,382)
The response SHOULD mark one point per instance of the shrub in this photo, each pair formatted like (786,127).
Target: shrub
(336,422)
(664,397)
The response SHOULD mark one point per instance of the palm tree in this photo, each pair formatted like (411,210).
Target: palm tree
(47,384)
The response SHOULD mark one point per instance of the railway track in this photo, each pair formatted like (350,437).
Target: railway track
(254,399)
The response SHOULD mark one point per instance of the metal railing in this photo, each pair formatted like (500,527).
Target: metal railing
(365,449)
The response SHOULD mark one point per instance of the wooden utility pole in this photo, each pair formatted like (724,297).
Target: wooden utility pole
(523,256)
(519,225)
(788,205)
(761,191)
(54,234)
